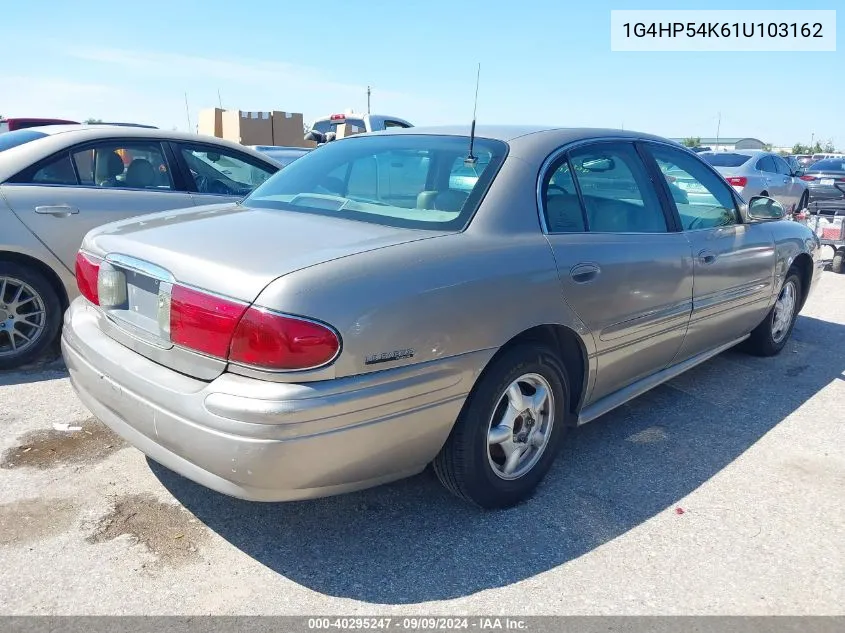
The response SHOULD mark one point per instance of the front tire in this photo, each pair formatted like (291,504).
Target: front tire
(509,430)
(770,337)
(30,315)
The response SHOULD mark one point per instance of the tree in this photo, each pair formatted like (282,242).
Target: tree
(767,147)
(90,121)
(691,141)
(828,147)
(799,148)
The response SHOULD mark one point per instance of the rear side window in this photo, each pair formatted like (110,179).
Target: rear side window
(394,124)
(133,165)
(616,191)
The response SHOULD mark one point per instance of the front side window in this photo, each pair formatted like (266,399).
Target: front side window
(222,172)
(782,166)
(705,201)
(130,165)
(410,181)
(617,193)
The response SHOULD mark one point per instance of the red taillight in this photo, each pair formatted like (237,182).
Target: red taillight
(338,117)
(737,181)
(87,270)
(203,322)
(808,178)
(274,341)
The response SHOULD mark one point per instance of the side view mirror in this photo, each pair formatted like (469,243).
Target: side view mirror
(764,208)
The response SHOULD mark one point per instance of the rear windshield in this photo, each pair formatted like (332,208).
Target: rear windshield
(725,159)
(328,125)
(18,137)
(829,164)
(407,181)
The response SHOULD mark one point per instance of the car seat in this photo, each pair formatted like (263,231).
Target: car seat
(140,174)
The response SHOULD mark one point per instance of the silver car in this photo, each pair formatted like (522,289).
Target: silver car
(757,173)
(356,318)
(59,182)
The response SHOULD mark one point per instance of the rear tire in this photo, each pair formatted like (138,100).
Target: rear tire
(30,315)
(802,204)
(770,337)
(837,265)
(494,465)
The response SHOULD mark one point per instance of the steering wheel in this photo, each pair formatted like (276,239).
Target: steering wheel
(211,185)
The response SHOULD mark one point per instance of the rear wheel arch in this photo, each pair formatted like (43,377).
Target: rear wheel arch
(36,264)
(803,264)
(569,349)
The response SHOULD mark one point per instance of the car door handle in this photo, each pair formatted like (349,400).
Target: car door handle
(584,273)
(57,210)
(707,257)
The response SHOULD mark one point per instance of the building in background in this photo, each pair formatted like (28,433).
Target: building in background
(728,144)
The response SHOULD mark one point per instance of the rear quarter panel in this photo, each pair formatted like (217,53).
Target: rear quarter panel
(439,297)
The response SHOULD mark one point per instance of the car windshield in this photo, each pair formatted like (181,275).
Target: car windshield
(408,181)
(727,159)
(829,164)
(18,137)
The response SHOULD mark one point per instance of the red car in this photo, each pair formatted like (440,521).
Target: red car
(19,123)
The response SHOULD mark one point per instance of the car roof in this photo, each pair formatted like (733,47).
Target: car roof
(58,137)
(527,140)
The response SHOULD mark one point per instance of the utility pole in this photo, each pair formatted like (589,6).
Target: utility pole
(368,99)
(718,127)
(812,138)
(188,112)
(219,100)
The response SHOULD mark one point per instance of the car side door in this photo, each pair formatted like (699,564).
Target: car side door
(734,263)
(792,187)
(217,174)
(773,183)
(624,267)
(73,191)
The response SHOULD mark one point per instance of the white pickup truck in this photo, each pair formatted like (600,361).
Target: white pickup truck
(327,125)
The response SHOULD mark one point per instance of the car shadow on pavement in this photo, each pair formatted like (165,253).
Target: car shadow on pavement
(49,367)
(412,542)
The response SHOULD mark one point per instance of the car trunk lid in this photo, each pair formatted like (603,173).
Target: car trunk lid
(230,251)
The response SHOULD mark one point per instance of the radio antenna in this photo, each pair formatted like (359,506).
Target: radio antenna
(471,160)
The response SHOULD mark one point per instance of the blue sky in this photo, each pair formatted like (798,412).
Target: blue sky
(542,62)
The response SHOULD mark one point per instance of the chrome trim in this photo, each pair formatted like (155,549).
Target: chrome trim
(140,266)
(296,317)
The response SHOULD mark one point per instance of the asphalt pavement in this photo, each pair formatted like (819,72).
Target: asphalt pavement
(720,492)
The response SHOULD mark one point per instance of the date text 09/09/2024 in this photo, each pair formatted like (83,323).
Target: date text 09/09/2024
(723,29)
(417,623)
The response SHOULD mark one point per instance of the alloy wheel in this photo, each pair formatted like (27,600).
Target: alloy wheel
(23,316)
(520,426)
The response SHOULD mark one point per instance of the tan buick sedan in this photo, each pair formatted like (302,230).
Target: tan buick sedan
(402,298)
(58,182)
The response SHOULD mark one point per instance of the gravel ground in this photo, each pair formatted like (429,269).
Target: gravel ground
(721,492)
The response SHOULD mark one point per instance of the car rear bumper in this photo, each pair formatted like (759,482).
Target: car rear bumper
(263,440)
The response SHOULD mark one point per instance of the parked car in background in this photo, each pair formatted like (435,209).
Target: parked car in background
(757,173)
(374,308)
(282,154)
(59,182)
(826,185)
(803,160)
(364,122)
(818,157)
(21,123)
